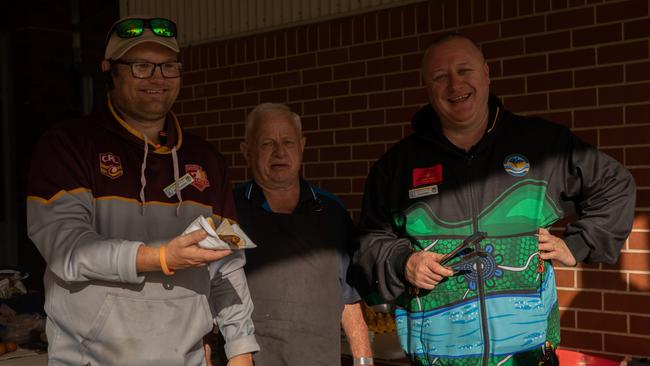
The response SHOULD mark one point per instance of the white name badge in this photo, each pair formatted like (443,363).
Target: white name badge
(423,191)
(182,182)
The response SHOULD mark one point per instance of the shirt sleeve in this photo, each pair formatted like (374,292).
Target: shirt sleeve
(603,194)
(60,211)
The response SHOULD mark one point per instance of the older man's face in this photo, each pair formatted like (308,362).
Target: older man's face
(274,151)
(457,80)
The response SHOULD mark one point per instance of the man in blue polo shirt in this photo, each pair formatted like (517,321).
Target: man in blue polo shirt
(297,275)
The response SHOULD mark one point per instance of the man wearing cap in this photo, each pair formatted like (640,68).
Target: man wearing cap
(108,198)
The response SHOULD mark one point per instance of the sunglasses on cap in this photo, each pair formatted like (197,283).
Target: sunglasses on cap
(131,28)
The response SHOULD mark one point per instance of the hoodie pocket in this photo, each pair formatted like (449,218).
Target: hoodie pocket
(148,332)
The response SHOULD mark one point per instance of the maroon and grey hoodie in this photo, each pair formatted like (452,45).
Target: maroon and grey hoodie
(96,193)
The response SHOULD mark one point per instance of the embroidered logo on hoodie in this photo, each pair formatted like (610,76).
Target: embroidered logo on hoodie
(516,165)
(110,165)
(201,181)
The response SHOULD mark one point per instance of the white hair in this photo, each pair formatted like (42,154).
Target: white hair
(258,113)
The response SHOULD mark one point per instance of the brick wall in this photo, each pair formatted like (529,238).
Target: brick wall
(355,81)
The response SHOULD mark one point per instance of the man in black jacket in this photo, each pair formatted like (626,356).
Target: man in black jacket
(474,170)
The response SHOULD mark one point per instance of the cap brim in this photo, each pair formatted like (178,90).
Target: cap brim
(118,46)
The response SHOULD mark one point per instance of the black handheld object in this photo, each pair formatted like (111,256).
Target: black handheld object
(469,242)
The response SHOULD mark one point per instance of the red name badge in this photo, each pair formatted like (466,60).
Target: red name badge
(423,176)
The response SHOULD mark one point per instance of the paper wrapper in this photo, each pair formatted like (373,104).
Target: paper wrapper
(212,241)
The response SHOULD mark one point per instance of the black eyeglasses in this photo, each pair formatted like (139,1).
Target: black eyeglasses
(130,28)
(145,70)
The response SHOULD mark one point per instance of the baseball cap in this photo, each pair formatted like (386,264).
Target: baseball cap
(131,31)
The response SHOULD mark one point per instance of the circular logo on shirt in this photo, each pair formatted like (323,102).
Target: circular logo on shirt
(516,165)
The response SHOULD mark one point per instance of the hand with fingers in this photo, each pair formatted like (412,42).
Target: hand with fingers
(553,247)
(183,251)
(423,270)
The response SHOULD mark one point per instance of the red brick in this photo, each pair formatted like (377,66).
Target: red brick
(636,155)
(637,72)
(358,29)
(527,103)
(602,321)
(509,86)
(550,81)
(641,176)
(598,117)
(370,23)
(521,26)
(369,84)
(494,9)
(567,319)
(503,48)
(328,121)
(524,65)
(383,18)
(259,83)
(232,116)
(401,46)
(219,132)
(525,7)
(367,118)
(388,99)
(412,62)
(565,277)
(352,169)
(274,96)
(630,303)
(237,174)
(219,103)
(310,155)
(216,74)
(351,136)
(624,94)
(333,89)
(480,11)
(542,6)
(229,145)
(417,96)
(642,220)
(571,59)
(395,22)
(627,344)
(640,282)
(384,65)
(625,136)
(368,152)
(630,51)
(639,240)
(640,325)
(192,78)
(210,118)
(422,18)
(599,76)
(317,75)
(601,280)
(243,100)
(637,29)
(286,79)
(643,198)
(436,17)
(548,42)
(621,10)
(580,299)
(335,153)
(595,35)
(582,340)
(351,103)
(403,80)
(482,32)
(272,66)
(301,61)
(365,51)
(319,106)
(303,92)
(385,133)
(464,12)
(194,106)
(317,170)
(509,8)
(337,186)
(246,70)
(358,184)
(320,138)
(570,19)
(351,70)
(616,153)
(450,14)
(231,87)
(404,114)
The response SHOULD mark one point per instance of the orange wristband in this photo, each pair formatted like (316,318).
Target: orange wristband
(163,261)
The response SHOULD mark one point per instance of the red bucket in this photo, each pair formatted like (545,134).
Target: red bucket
(574,358)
